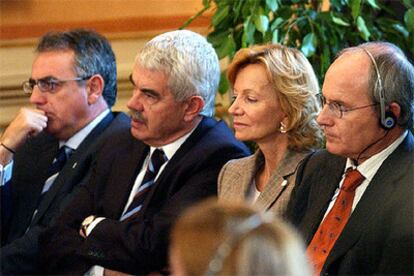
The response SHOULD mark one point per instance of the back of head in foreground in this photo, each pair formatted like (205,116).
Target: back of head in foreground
(232,239)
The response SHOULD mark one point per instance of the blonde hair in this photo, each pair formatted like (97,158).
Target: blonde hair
(293,78)
(267,248)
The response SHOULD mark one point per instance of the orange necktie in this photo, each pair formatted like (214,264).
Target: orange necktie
(333,224)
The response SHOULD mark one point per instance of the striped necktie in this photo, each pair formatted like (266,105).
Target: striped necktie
(158,158)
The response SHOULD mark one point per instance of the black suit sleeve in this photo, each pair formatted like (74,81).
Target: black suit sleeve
(139,245)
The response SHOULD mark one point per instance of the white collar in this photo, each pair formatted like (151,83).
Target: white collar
(370,166)
(171,148)
(74,141)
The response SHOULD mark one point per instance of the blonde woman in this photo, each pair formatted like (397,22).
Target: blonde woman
(274,105)
(232,239)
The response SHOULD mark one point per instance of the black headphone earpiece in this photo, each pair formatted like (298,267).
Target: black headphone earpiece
(389,121)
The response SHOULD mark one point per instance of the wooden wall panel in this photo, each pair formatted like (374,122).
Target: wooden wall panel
(127,23)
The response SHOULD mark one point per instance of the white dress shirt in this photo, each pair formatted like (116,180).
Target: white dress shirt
(368,169)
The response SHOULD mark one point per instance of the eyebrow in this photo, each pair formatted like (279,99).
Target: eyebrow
(131,80)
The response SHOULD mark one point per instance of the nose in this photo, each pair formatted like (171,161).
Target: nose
(37,97)
(234,108)
(135,103)
(325,116)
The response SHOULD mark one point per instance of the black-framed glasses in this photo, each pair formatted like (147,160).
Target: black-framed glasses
(337,109)
(48,84)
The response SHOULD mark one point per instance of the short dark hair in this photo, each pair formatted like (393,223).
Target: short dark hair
(93,55)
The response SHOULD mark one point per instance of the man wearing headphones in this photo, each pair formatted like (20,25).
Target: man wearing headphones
(353,202)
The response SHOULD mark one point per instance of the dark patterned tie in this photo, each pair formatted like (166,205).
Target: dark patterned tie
(158,158)
(333,224)
(58,162)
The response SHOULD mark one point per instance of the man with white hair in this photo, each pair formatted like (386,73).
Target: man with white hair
(143,179)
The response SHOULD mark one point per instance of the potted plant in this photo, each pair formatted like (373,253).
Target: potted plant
(320,29)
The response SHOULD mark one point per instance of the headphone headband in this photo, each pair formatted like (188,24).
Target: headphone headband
(387,121)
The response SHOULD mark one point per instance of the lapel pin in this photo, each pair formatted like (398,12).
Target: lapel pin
(284,183)
(74,165)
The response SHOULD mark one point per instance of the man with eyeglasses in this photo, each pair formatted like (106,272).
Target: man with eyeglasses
(47,151)
(353,202)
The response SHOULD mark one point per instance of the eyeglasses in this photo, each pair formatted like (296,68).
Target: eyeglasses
(48,84)
(337,109)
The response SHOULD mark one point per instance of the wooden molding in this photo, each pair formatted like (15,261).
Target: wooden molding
(123,27)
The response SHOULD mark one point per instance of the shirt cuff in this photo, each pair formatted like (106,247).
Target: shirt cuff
(93,224)
(6,173)
(96,270)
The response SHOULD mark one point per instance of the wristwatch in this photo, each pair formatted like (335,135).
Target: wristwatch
(86,222)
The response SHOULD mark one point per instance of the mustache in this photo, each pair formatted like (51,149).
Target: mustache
(136,115)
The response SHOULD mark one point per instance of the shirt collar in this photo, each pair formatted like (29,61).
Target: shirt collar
(171,148)
(74,141)
(370,167)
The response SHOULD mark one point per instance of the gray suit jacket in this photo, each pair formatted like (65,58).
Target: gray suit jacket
(237,176)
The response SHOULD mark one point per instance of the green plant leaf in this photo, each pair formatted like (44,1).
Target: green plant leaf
(275,36)
(227,48)
(339,21)
(309,44)
(409,19)
(362,27)
(224,84)
(356,8)
(276,23)
(272,4)
(249,30)
(408,3)
(262,23)
(400,28)
(373,3)
(220,15)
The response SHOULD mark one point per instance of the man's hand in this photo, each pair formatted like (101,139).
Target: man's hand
(28,122)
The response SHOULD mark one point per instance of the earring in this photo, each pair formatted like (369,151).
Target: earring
(282,128)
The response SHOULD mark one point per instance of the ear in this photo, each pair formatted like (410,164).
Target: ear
(95,88)
(194,105)
(395,108)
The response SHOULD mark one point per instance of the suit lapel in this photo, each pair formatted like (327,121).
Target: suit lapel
(42,151)
(327,180)
(74,168)
(274,189)
(204,126)
(126,165)
(244,175)
(377,192)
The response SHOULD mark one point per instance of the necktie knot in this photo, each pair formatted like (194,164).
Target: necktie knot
(60,160)
(353,178)
(158,158)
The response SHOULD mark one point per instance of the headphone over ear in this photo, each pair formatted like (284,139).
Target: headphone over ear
(387,119)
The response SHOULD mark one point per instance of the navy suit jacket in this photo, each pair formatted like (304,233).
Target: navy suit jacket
(378,237)
(139,245)
(31,164)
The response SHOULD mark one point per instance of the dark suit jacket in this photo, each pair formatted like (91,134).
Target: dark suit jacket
(139,245)
(30,168)
(378,238)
